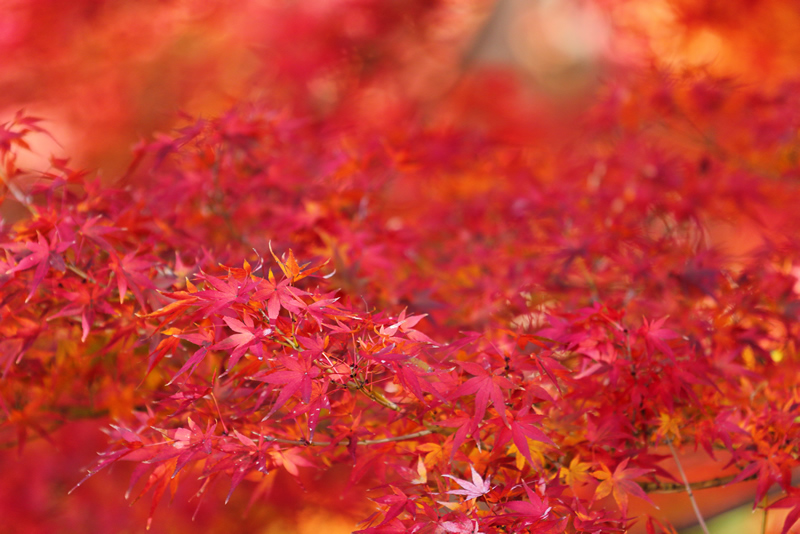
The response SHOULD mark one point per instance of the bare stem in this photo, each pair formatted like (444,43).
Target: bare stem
(688,488)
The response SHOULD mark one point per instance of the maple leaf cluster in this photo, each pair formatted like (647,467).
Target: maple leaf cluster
(493,329)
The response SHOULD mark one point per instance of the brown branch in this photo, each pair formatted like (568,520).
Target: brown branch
(305,443)
(676,487)
(396,438)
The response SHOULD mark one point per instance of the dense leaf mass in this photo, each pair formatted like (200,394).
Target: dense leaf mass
(494,328)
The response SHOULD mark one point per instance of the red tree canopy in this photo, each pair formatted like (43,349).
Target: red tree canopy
(485,321)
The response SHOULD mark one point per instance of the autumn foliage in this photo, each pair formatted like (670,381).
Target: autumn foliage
(433,312)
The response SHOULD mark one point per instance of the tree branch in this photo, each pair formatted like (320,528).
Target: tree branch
(305,443)
(673,487)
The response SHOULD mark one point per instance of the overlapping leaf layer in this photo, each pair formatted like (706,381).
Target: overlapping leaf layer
(494,331)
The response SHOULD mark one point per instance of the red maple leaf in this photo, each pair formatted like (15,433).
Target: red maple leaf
(248,336)
(522,428)
(299,375)
(461,420)
(485,386)
(792,500)
(131,272)
(536,507)
(204,338)
(398,503)
(224,292)
(279,295)
(85,301)
(42,255)
(655,336)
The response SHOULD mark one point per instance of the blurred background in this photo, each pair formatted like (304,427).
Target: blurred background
(106,74)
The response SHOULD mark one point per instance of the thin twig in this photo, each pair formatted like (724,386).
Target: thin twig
(396,438)
(688,488)
(80,273)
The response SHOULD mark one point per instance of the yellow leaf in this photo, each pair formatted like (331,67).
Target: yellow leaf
(536,448)
(290,268)
(749,357)
(422,473)
(519,459)
(669,427)
(450,505)
(291,263)
(604,474)
(576,473)
(172,307)
(436,453)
